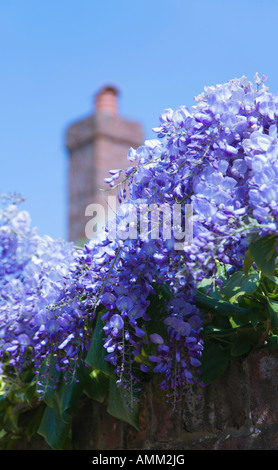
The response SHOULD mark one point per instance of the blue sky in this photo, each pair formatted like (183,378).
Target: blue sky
(55,54)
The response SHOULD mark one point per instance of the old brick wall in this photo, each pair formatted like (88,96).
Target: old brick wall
(238,411)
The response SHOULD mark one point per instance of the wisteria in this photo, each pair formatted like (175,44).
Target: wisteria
(35,272)
(219,157)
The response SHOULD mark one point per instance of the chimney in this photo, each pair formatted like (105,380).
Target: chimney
(97,144)
(106,100)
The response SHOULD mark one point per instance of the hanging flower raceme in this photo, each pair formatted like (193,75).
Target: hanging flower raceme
(211,157)
(36,271)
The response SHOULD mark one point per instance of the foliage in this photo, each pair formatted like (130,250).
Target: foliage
(101,320)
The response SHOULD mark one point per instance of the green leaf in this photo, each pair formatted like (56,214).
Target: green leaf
(67,396)
(216,332)
(271,285)
(239,348)
(246,338)
(56,421)
(30,420)
(96,354)
(30,393)
(54,428)
(10,419)
(119,401)
(273,312)
(207,284)
(238,285)
(218,306)
(272,341)
(96,386)
(263,253)
(215,360)
(247,263)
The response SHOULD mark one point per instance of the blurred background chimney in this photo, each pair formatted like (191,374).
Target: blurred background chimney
(95,145)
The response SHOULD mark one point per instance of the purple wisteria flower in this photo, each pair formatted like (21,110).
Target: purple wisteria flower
(36,271)
(219,156)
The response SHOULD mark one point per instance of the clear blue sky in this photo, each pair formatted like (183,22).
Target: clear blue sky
(55,54)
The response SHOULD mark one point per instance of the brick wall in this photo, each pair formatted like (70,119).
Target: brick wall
(239,411)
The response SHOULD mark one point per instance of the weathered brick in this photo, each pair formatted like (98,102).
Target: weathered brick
(263,373)
(236,412)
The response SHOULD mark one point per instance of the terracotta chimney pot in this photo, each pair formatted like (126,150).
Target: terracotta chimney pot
(106,100)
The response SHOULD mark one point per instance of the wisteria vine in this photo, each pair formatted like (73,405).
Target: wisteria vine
(220,157)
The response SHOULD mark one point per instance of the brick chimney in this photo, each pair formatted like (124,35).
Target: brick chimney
(95,145)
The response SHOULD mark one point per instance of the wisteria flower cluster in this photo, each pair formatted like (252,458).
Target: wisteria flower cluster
(35,271)
(219,157)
